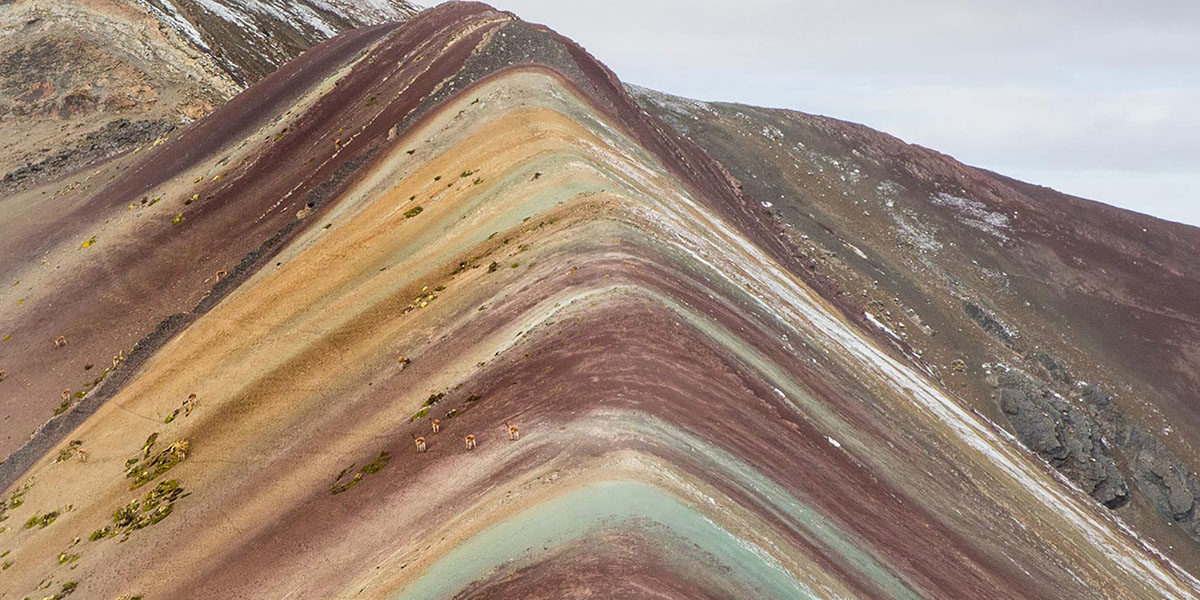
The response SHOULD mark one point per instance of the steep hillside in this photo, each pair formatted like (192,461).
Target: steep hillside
(464,229)
(1074,324)
(85,80)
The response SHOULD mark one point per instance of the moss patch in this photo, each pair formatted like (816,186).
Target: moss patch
(155,506)
(149,469)
(17,498)
(342,484)
(41,521)
(69,451)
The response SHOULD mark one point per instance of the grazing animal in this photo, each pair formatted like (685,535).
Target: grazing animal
(118,357)
(437,425)
(403,361)
(470,440)
(3,374)
(82,454)
(514,433)
(66,395)
(420,442)
(221,273)
(60,341)
(189,405)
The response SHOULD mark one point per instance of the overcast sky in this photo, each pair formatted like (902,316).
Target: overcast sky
(1095,98)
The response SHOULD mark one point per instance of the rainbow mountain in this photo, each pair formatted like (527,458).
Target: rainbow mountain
(695,354)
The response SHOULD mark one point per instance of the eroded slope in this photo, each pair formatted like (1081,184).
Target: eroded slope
(1072,323)
(467,218)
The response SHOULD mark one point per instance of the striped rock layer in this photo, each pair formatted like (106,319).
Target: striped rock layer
(467,218)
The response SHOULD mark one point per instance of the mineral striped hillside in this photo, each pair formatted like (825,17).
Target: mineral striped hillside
(438,310)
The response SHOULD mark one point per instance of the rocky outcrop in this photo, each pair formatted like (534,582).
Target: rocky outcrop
(1081,436)
(116,136)
(1171,487)
(1072,436)
(988,322)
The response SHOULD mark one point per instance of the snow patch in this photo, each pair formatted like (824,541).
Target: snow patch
(974,213)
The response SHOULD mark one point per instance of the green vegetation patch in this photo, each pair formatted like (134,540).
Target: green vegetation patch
(412,212)
(149,469)
(342,484)
(41,521)
(69,451)
(68,588)
(15,499)
(155,506)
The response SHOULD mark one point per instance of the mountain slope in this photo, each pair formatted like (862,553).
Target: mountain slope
(83,81)
(467,217)
(1073,323)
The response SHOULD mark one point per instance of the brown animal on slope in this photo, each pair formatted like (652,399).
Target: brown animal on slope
(514,433)
(437,425)
(60,341)
(420,442)
(470,440)
(403,361)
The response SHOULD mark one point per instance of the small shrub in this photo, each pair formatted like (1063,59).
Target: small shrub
(149,469)
(155,506)
(378,464)
(69,451)
(412,212)
(371,468)
(148,445)
(41,521)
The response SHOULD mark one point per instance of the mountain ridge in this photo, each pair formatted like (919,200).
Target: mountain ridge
(467,216)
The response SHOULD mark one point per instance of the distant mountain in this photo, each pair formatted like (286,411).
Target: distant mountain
(82,81)
(442,309)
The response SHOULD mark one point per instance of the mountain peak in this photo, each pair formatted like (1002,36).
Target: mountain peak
(439,309)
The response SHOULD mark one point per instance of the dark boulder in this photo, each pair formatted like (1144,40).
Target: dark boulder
(1067,435)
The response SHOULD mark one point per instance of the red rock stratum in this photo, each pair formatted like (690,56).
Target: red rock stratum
(463,225)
